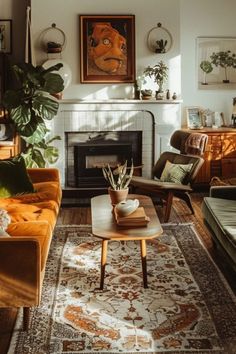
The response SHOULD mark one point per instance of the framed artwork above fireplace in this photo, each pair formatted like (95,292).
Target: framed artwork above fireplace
(107,48)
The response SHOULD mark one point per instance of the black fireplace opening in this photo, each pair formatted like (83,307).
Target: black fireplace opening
(96,150)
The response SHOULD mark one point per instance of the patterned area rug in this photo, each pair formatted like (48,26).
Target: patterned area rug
(188,307)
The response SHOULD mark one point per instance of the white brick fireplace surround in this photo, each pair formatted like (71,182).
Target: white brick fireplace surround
(156,119)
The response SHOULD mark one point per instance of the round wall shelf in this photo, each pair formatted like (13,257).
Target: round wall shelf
(53,39)
(159,39)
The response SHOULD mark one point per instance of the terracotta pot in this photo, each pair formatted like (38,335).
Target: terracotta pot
(118,196)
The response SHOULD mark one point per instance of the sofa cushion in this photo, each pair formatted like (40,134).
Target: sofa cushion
(220,215)
(14,177)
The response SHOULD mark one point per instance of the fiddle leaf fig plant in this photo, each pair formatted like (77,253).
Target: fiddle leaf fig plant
(30,106)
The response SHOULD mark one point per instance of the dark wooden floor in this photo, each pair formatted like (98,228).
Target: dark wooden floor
(82,215)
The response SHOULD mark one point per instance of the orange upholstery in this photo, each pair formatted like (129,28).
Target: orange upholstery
(23,256)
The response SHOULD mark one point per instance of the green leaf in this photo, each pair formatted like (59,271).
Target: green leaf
(21,115)
(51,154)
(45,107)
(34,133)
(53,83)
(57,137)
(12,99)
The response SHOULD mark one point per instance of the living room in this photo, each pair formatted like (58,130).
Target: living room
(88,106)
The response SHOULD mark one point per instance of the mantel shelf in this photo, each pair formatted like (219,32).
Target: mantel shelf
(119,101)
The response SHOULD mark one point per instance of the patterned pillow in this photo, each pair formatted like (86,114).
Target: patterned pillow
(174,172)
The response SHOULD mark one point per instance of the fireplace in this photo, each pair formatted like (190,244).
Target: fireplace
(88,152)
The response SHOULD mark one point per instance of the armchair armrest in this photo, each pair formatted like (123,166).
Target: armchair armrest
(43,174)
(19,272)
(223,192)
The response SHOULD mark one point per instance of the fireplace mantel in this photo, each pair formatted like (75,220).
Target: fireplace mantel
(156,118)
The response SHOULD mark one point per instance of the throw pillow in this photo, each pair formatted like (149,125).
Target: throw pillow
(175,173)
(14,178)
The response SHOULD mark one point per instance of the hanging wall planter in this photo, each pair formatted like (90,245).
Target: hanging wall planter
(159,39)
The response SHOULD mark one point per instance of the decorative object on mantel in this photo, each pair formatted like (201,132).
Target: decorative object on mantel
(233,117)
(6,36)
(146,94)
(159,39)
(119,180)
(159,72)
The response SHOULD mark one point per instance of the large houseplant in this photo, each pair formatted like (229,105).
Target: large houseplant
(30,106)
(159,73)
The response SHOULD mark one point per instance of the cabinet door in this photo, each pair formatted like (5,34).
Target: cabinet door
(228,168)
(229,146)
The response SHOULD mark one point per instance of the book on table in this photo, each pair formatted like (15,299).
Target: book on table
(137,218)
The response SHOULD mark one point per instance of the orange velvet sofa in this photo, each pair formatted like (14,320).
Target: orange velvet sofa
(23,256)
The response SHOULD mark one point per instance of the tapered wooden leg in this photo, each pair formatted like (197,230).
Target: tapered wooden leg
(103,262)
(168,206)
(26,318)
(144,262)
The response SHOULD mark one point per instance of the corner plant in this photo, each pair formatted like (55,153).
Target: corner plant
(159,73)
(119,178)
(30,106)
(224,60)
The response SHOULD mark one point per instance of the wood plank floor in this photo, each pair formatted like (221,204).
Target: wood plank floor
(82,215)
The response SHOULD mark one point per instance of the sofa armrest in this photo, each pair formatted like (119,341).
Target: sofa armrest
(223,192)
(19,272)
(43,174)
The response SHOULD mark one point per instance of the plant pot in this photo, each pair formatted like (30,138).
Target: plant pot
(118,196)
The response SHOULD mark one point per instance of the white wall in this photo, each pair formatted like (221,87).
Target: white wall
(147,14)
(197,19)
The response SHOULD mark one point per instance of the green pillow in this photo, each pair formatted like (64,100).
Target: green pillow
(14,178)
(174,172)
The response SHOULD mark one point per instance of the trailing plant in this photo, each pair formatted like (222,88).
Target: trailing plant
(120,177)
(159,73)
(30,106)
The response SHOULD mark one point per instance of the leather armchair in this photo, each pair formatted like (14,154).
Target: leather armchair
(167,190)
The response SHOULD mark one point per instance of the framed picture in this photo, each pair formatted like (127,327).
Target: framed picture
(216,63)
(5,36)
(194,117)
(107,48)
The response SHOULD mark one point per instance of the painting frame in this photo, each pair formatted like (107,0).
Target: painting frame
(215,63)
(99,35)
(6,36)
(194,117)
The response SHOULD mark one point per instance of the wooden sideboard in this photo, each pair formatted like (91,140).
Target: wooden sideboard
(9,147)
(220,155)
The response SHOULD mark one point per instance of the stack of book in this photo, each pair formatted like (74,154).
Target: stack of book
(136,219)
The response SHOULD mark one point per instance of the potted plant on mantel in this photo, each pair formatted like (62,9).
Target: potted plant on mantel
(159,73)
(30,106)
(119,180)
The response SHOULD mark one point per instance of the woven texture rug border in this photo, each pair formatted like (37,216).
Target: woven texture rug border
(222,297)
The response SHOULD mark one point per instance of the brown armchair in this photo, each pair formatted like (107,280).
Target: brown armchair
(191,147)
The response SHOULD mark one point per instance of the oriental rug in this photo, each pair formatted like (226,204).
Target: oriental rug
(187,308)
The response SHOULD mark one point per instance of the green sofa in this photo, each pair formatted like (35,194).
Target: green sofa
(219,213)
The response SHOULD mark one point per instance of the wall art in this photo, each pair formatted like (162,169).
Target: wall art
(107,48)
(5,36)
(216,63)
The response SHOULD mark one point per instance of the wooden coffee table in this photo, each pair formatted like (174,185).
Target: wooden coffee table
(105,227)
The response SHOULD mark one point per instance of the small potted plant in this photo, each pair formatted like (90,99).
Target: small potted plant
(159,73)
(119,180)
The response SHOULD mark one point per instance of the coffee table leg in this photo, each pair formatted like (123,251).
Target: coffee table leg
(144,263)
(103,262)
